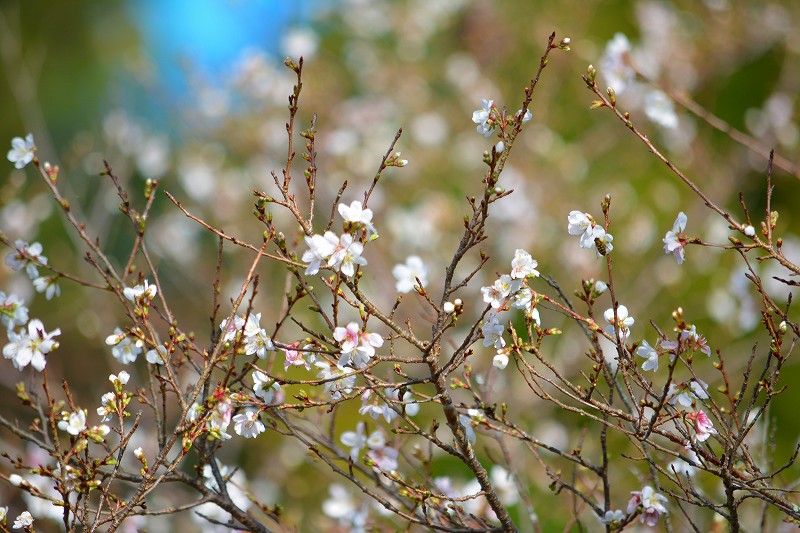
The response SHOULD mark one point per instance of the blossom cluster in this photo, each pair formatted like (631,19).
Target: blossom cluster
(343,252)
(509,291)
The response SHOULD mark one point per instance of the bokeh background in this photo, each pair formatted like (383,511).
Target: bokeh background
(194,93)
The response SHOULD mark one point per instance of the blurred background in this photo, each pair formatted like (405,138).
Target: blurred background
(194,93)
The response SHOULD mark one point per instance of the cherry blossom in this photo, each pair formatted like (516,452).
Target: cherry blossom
(295,357)
(247,424)
(523,265)
(12,310)
(140,294)
(615,63)
(651,503)
(649,353)
(407,274)
(124,349)
(26,256)
(675,240)
(357,346)
(498,294)
(320,248)
(73,423)
(22,151)
(659,108)
(492,330)
(256,339)
(485,118)
(583,224)
(685,393)
(702,425)
(336,387)
(500,361)
(357,218)
(47,285)
(30,347)
(24,520)
(347,255)
(264,387)
(622,321)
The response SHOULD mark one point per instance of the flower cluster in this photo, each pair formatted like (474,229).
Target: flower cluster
(249,331)
(342,253)
(488,118)
(357,346)
(509,291)
(649,503)
(30,345)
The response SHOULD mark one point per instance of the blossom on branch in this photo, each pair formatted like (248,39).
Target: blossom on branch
(22,151)
(30,347)
(485,118)
(621,321)
(583,224)
(675,240)
(358,219)
(702,425)
(12,310)
(247,424)
(649,502)
(26,256)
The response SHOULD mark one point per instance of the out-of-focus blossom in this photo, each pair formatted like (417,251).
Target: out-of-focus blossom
(157,356)
(407,274)
(336,387)
(12,310)
(22,151)
(659,108)
(24,520)
(613,518)
(615,63)
(685,393)
(47,285)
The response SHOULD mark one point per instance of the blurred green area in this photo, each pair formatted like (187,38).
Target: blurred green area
(422,66)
